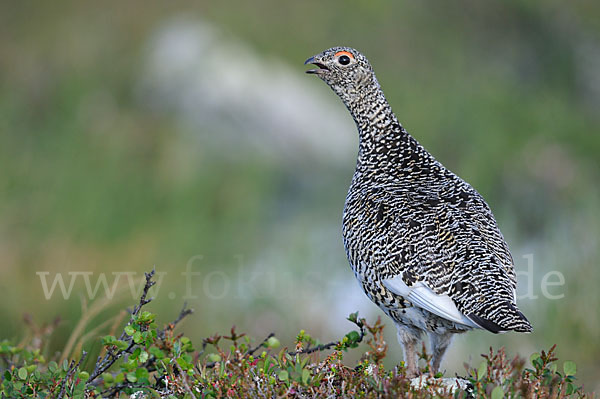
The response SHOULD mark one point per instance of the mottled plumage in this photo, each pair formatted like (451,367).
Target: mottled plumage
(423,244)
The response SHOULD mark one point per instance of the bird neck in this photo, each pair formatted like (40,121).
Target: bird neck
(377,125)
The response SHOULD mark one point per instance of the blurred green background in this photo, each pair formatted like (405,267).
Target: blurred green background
(187,137)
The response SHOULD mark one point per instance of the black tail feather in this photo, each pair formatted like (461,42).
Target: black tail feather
(509,318)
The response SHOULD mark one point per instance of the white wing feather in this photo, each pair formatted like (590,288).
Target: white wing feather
(424,297)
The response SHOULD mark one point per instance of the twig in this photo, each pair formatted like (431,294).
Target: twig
(147,286)
(184,379)
(103,364)
(112,356)
(318,348)
(309,350)
(70,372)
(87,314)
(113,328)
(257,347)
(249,352)
(324,347)
(182,314)
(93,332)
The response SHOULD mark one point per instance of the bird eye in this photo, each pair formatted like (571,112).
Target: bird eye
(344,57)
(344,60)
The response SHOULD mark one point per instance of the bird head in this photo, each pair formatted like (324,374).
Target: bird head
(345,70)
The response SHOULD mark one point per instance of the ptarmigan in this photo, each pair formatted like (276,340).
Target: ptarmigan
(422,242)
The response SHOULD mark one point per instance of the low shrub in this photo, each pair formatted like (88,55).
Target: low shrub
(146,361)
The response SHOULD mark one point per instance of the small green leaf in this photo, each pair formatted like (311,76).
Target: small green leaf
(22,373)
(569,367)
(52,367)
(108,339)
(534,356)
(78,391)
(136,353)
(121,345)
(129,330)
(214,357)
(143,356)
(157,353)
(119,378)
(84,375)
(570,389)
(497,393)
(353,317)
(353,336)
(273,343)
(107,378)
(351,339)
(184,362)
(283,375)
(137,337)
(141,373)
(146,317)
(131,377)
(481,370)
(305,376)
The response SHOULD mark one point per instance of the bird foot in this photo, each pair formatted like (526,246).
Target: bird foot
(442,385)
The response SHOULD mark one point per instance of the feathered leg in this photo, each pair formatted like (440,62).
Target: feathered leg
(409,339)
(439,344)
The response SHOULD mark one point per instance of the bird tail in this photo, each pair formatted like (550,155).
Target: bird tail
(503,317)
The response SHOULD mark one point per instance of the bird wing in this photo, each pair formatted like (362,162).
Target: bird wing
(424,297)
(460,268)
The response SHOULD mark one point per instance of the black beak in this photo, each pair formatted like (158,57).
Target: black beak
(322,67)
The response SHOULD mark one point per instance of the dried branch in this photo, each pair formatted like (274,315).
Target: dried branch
(111,356)
(308,350)
(182,314)
(257,347)
(324,347)
(70,372)
(184,379)
(171,326)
